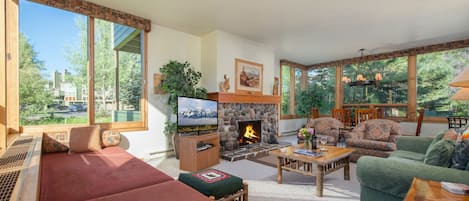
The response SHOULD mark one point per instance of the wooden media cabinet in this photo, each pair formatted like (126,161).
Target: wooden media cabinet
(190,159)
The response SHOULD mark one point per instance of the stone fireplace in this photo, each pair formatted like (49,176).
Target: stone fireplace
(249,132)
(235,108)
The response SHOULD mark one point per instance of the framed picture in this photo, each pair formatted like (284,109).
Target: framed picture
(248,77)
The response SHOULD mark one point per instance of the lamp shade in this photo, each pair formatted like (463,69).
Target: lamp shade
(462,94)
(462,80)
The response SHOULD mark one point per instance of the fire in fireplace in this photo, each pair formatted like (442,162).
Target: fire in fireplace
(249,132)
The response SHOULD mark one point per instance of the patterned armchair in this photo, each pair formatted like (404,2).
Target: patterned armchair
(376,137)
(324,126)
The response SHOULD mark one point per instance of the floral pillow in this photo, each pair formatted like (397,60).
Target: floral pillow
(110,138)
(378,132)
(55,142)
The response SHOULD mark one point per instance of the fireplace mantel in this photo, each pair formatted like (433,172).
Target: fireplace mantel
(223,97)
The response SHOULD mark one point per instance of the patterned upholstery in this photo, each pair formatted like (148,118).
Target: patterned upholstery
(60,141)
(55,142)
(325,126)
(376,137)
(110,138)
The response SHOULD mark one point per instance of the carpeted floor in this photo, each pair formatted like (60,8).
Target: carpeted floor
(261,175)
(263,184)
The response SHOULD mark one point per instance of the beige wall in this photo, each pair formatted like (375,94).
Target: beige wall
(164,44)
(227,47)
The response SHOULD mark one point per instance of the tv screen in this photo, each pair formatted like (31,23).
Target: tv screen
(196,114)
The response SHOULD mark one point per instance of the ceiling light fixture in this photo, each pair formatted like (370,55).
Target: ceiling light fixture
(361,80)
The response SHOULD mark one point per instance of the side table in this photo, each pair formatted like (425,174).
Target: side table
(422,189)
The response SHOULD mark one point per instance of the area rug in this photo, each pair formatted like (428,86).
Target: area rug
(262,179)
(268,160)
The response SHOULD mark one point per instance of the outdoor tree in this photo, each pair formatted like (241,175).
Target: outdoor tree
(34,97)
(130,73)
(285,90)
(130,79)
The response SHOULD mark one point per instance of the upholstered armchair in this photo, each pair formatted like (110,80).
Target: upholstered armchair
(376,137)
(324,126)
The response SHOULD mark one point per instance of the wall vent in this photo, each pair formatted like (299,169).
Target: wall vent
(8,182)
(22,142)
(15,164)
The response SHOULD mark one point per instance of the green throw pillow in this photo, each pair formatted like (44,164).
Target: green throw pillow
(440,153)
(438,137)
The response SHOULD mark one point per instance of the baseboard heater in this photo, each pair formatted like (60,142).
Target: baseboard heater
(19,169)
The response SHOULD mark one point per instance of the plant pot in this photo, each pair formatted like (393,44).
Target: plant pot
(175,140)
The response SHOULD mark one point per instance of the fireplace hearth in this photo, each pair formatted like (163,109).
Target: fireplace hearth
(249,132)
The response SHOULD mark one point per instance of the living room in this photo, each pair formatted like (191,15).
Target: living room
(290,45)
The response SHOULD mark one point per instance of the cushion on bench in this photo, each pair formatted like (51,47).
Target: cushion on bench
(166,191)
(94,174)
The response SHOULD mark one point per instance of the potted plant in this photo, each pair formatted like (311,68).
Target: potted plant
(179,79)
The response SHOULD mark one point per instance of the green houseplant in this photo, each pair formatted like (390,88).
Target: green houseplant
(179,79)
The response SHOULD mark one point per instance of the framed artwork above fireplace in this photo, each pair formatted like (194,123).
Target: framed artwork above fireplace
(249,77)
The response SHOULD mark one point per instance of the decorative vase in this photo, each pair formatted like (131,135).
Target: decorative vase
(307,143)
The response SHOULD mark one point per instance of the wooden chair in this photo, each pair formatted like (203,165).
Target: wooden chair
(457,121)
(419,121)
(362,115)
(314,113)
(343,115)
(421,112)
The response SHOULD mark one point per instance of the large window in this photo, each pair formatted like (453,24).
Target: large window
(321,85)
(49,47)
(434,72)
(286,80)
(391,89)
(54,69)
(304,89)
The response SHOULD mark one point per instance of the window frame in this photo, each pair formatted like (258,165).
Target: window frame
(12,81)
(411,102)
(292,88)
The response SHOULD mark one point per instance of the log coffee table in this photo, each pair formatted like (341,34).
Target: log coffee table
(331,160)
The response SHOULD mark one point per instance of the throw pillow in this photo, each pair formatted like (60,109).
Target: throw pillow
(55,142)
(440,153)
(450,135)
(110,138)
(461,155)
(379,132)
(84,139)
(441,135)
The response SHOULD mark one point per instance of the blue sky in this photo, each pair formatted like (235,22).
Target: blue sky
(49,30)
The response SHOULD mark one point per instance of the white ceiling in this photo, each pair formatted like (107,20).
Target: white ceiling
(313,31)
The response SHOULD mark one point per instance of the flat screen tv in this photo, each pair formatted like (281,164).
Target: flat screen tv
(196,115)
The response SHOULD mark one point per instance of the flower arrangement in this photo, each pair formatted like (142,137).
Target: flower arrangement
(306,133)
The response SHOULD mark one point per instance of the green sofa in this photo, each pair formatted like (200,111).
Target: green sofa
(390,178)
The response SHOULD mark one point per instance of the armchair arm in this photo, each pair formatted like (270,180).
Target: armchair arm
(413,143)
(395,176)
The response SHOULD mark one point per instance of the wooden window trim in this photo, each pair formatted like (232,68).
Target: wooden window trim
(98,11)
(3,100)
(12,82)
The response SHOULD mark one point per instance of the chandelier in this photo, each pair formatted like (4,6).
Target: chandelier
(361,80)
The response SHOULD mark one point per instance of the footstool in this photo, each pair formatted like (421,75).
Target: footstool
(216,184)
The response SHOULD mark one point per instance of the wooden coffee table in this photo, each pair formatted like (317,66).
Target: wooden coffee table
(332,160)
(422,189)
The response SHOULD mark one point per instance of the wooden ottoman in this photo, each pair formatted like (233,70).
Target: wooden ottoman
(216,184)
